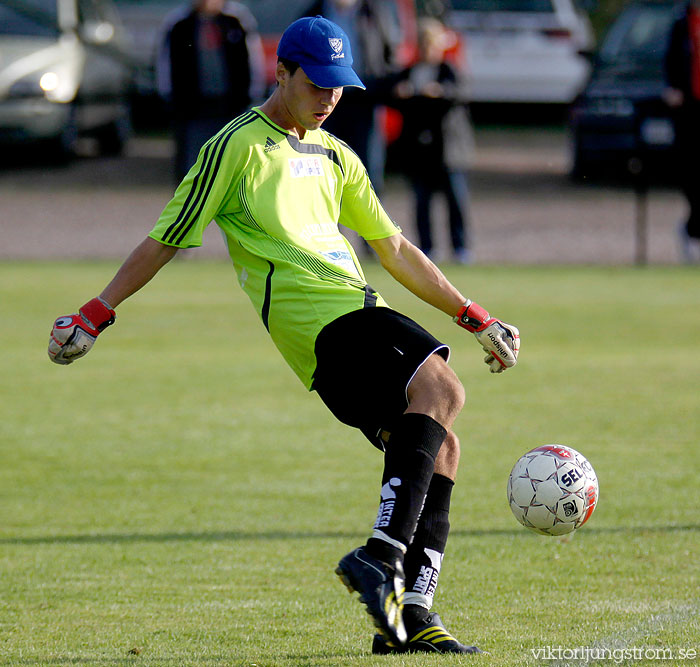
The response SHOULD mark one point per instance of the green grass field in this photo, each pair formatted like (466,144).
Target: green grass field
(177,498)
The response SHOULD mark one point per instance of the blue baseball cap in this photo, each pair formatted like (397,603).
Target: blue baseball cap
(322,50)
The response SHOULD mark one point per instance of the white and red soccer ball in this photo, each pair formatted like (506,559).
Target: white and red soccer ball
(552,490)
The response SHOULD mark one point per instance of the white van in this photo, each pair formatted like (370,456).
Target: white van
(523,50)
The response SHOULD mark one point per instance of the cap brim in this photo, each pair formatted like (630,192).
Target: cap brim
(329,76)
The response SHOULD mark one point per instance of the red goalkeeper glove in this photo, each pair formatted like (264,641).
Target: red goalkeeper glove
(500,341)
(74,335)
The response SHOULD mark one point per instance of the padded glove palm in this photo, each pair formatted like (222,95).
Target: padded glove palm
(500,341)
(74,335)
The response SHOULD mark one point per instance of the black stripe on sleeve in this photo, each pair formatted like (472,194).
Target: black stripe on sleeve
(168,237)
(203,182)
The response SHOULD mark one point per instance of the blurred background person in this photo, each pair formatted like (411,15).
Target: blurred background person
(375,34)
(438,9)
(210,68)
(683,95)
(437,138)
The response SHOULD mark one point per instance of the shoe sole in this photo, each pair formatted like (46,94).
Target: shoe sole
(422,648)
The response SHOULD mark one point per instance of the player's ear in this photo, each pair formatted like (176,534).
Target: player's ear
(282,74)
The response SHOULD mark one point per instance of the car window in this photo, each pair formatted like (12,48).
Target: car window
(31,18)
(639,35)
(503,5)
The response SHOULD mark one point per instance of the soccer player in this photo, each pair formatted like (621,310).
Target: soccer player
(277,186)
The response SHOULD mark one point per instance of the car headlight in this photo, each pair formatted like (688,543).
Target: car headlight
(54,85)
(49,82)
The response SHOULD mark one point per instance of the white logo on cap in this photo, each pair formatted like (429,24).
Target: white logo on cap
(336,44)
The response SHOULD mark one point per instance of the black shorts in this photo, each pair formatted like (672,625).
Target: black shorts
(365,362)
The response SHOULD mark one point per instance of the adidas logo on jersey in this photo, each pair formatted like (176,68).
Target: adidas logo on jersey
(270,145)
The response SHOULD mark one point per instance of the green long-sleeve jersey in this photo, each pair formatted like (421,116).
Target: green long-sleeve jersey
(278,201)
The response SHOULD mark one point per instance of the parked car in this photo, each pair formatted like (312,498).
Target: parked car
(523,51)
(621,112)
(63,74)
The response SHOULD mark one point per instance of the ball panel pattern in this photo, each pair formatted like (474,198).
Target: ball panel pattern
(552,490)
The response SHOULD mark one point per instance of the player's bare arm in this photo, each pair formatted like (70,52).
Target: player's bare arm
(414,270)
(410,267)
(149,257)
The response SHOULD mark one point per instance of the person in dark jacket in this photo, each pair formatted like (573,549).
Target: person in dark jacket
(683,95)
(210,68)
(431,97)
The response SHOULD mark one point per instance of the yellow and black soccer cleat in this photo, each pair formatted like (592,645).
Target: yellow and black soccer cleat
(381,589)
(429,637)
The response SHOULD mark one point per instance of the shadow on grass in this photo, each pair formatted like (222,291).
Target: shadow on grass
(217,536)
(603,530)
(237,536)
(221,660)
(289,659)
(292,659)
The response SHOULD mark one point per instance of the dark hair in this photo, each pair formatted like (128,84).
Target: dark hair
(289,65)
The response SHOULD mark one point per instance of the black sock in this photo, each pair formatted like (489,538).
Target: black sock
(408,468)
(424,556)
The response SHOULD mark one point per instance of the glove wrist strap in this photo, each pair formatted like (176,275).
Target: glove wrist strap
(98,313)
(471,316)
